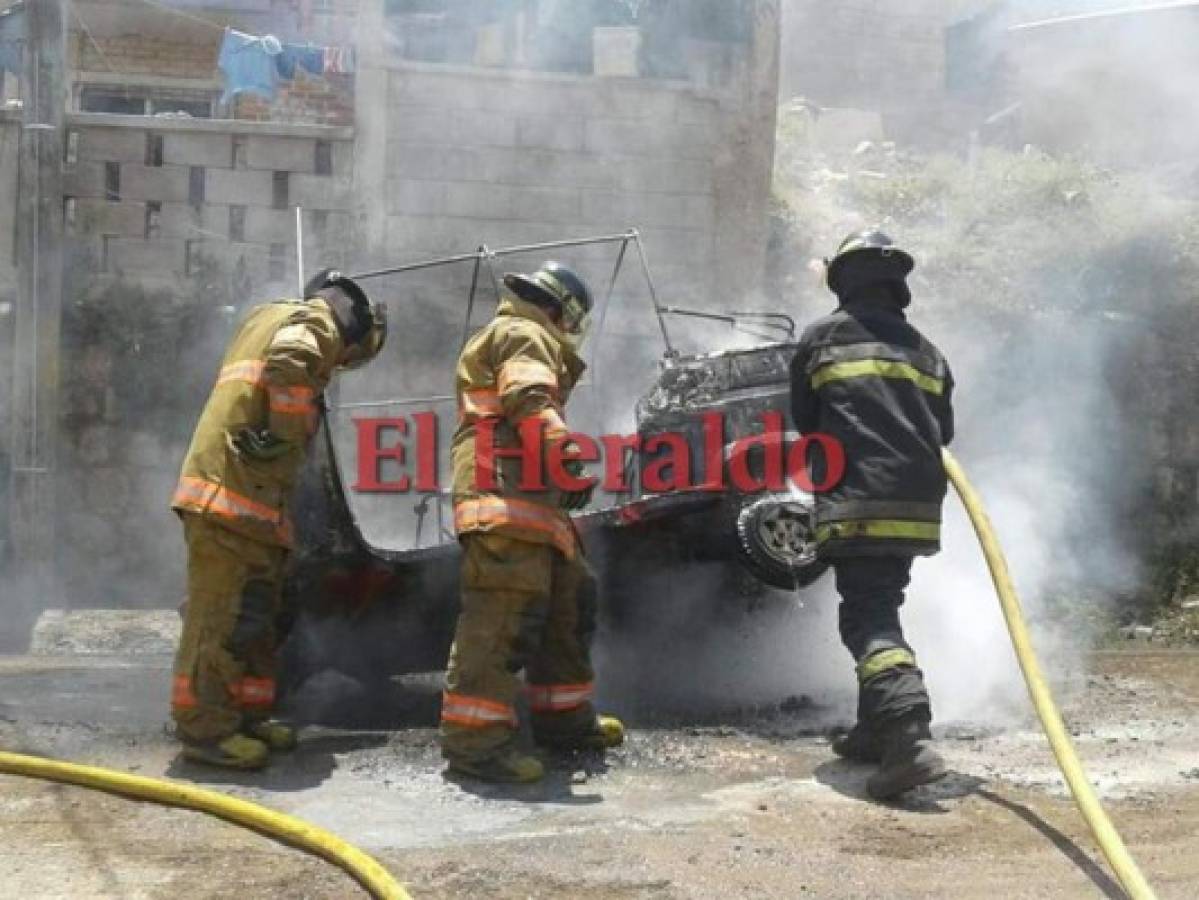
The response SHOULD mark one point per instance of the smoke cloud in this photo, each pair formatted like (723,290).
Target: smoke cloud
(1044,266)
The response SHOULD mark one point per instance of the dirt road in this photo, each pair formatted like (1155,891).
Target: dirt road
(748,806)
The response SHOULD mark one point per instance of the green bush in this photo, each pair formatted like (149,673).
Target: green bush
(161,346)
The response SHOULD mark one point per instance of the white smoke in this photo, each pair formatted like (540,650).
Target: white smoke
(1040,345)
(1036,438)
(1036,433)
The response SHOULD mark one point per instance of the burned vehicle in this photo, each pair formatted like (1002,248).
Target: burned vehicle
(372,611)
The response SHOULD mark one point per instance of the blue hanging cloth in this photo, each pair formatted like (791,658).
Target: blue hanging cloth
(249,64)
(300,56)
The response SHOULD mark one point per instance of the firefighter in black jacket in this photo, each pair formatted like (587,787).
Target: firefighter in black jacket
(869,379)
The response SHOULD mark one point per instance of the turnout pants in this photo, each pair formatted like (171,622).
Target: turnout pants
(890,686)
(525,606)
(225,665)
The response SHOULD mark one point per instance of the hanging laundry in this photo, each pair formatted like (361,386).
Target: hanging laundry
(340,61)
(248,64)
(12,38)
(308,57)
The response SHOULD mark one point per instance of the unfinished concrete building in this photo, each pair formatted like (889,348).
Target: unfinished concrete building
(416,145)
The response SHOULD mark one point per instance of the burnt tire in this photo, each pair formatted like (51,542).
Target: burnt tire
(775,543)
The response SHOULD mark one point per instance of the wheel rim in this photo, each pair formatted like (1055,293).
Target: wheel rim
(785,535)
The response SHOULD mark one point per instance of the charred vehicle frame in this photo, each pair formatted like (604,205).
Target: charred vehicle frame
(373,612)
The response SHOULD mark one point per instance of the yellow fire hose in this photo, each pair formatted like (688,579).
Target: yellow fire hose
(1101,826)
(288,829)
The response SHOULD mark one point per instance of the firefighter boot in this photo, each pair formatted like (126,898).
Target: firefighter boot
(908,759)
(860,745)
(234,752)
(611,731)
(277,736)
(510,766)
(604,733)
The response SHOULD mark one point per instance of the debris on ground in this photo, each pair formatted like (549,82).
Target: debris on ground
(752,803)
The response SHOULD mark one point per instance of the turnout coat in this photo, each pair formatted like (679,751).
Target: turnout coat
(274,371)
(518,368)
(868,378)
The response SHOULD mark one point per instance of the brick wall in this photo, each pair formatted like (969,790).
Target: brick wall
(318,101)
(138,60)
(138,54)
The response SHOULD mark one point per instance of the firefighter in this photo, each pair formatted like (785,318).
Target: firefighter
(868,378)
(233,493)
(528,595)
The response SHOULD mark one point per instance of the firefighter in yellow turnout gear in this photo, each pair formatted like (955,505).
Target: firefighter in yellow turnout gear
(233,496)
(528,595)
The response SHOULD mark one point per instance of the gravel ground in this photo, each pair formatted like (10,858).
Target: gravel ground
(743,803)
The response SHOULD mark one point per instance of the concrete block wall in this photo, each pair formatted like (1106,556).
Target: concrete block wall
(873,54)
(215,193)
(514,157)
(450,158)
(459,157)
(213,197)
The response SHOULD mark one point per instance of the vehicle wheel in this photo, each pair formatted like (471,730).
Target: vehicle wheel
(775,542)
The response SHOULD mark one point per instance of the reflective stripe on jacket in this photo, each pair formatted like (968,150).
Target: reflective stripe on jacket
(272,376)
(868,378)
(517,368)
(507,514)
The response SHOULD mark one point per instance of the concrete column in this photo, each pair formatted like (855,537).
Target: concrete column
(370,136)
(745,165)
(35,384)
